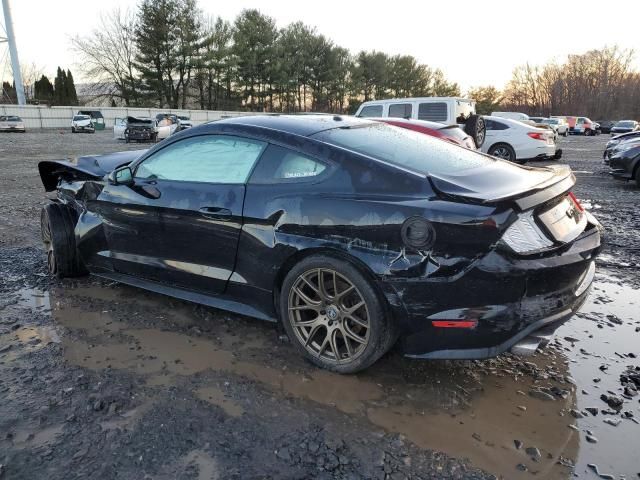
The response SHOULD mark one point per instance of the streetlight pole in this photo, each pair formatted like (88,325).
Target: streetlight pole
(13,51)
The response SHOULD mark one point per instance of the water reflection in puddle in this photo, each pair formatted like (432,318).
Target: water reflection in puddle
(442,406)
(448,407)
(610,302)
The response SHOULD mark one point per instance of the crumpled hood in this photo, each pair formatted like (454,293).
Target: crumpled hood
(84,168)
(102,164)
(498,181)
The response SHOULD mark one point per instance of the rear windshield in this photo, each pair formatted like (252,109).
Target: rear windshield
(405,148)
(10,118)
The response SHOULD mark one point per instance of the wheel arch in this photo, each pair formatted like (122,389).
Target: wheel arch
(338,254)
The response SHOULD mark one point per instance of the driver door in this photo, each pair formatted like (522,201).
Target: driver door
(179,223)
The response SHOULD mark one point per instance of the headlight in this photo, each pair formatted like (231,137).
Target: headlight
(525,236)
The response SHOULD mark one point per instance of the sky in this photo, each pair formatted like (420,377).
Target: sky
(474,42)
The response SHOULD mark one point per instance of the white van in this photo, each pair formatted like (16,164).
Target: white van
(521,117)
(446,110)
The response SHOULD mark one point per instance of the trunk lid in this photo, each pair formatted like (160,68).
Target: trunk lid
(503,180)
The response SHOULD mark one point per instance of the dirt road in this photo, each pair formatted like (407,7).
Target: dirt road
(106,381)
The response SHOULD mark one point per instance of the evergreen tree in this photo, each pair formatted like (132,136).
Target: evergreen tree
(59,88)
(70,89)
(43,90)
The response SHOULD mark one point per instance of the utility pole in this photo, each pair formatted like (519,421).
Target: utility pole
(13,51)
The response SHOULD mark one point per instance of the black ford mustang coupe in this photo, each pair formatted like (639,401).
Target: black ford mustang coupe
(353,233)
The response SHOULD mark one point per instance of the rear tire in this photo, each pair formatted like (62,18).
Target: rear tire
(503,151)
(57,223)
(73,129)
(325,323)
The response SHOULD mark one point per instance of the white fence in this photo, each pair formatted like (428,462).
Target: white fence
(37,116)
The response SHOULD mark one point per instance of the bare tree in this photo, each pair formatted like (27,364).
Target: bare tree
(107,56)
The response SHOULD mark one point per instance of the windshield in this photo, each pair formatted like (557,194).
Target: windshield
(550,121)
(11,118)
(405,148)
(624,124)
(81,117)
(182,117)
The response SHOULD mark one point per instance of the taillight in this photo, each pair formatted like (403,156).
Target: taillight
(537,135)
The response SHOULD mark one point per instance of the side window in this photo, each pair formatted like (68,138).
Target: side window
(206,158)
(400,110)
(371,111)
(493,125)
(433,111)
(281,165)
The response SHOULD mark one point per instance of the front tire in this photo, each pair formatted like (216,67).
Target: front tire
(334,316)
(57,223)
(637,176)
(73,129)
(503,151)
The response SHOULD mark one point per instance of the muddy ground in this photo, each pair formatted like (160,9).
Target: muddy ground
(105,381)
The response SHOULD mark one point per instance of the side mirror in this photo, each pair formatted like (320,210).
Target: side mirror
(121,176)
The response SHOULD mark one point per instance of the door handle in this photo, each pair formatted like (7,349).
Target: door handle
(216,212)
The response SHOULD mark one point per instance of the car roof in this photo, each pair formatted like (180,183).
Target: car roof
(301,124)
(416,99)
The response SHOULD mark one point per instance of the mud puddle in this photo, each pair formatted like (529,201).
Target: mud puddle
(480,413)
(599,341)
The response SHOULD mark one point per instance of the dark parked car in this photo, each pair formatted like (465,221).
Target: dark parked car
(140,130)
(616,141)
(353,233)
(625,126)
(450,133)
(606,125)
(625,163)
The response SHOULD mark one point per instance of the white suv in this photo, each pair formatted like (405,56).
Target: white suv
(445,110)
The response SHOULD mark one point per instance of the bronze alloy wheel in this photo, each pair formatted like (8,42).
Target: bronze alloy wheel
(329,315)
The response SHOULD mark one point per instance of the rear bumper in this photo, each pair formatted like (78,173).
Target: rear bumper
(501,301)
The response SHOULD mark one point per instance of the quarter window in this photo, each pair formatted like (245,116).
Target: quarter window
(371,111)
(279,164)
(206,158)
(494,125)
(400,110)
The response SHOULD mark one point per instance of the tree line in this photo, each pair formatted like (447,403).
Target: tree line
(169,54)
(61,92)
(601,84)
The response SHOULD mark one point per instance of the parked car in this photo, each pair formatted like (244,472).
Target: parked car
(96,118)
(184,122)
(518,142)
(511,115)
(606,125)
(624,163)
(12,123)
(543,126)
(446,110)
(625,126)
(82,123)
(450,133)
(618,139)
(119,126)
(585,126)
(352,233)
(166,125)
(140,130)
(558,124)
(571,121)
